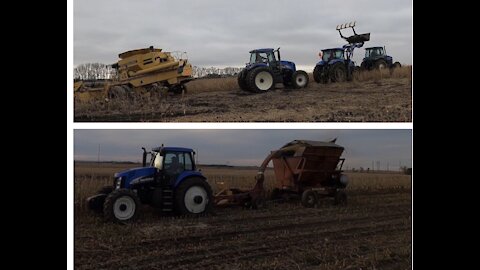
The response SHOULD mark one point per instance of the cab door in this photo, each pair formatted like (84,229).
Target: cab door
(175,163)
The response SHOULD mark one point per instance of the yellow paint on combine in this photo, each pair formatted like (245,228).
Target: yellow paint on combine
(137,71)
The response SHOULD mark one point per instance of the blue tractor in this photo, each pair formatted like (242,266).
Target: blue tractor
(336,64)
(170,182)
(377,58)
(266,68)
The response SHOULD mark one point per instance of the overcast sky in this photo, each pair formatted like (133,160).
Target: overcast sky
(220,33)
(244,147)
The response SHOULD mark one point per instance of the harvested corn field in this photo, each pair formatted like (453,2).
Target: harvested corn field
(372,231)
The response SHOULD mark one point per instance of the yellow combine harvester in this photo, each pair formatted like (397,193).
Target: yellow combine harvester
(139,71)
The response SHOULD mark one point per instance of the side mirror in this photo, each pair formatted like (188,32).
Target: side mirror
(158,163)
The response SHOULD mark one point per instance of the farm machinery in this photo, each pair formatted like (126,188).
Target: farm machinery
(140,71)
(309,170)
(266,69)
(170,182)
(377,58)
(336,64)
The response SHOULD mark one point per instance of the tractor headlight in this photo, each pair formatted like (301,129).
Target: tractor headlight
(118,183)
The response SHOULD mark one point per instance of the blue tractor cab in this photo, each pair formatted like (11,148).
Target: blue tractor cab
(377,58)
(266,68)
(169,181)
(332,66)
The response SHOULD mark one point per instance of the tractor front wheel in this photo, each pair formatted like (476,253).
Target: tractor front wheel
(242,80)
(300,79)
(260,80)
(338,73)
(193,197)
(396,65)
(121,205)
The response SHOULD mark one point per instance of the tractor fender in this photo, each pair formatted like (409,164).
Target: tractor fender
(289,65)
(187,174)
(389,60)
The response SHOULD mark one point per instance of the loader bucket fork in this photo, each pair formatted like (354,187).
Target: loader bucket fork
(355,41)
(356,38)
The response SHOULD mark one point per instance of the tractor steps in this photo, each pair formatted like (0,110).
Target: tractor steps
(167,200)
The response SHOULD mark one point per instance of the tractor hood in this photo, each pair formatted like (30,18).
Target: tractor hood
(136,175)
(288,64)
(133,173)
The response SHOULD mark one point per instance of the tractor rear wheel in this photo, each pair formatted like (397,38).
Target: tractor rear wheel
(317,72)
(309,198)
(241,79)
(380,64)
(121,205)
(193,197)
(338,73)
(260,80)
(300,79)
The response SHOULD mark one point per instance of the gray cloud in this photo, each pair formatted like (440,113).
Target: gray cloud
(220,33)
(244,147)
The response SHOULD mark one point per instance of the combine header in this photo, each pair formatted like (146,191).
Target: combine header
(139,71)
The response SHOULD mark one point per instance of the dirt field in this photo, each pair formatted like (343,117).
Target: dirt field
(373,97)
(372,232)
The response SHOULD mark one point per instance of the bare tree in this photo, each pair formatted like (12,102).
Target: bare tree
(93,71)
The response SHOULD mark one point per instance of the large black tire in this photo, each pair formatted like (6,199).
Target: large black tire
(178,89)
(396,65)
(193,197)
(241,79)
(317,72)
(340,197)
(309,198)
(338,72)
(380,64)
(121,206)
(364,66)
(260,80)
(96,204)
(300,79)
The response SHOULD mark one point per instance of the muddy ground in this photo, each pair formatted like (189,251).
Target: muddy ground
(372,232)
(380,100)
